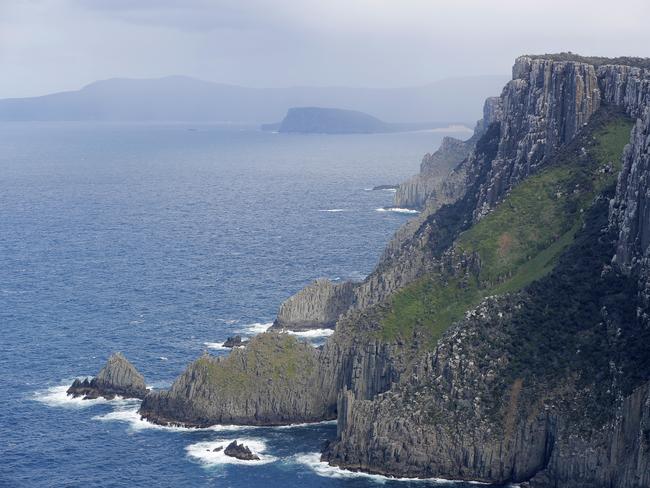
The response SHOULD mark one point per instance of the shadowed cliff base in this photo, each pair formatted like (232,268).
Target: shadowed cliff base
(504,336)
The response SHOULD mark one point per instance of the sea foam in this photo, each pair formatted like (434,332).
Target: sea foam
(204,452)
(313,333)
(322,468)
(397,210)
(56,396)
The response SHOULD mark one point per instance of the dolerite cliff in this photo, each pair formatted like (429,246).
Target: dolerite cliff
(117,378)
(504,336)
(442,174)
(317,305)
(548,383)
(269,382)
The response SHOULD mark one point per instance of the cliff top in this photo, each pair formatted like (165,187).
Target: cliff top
(594,60)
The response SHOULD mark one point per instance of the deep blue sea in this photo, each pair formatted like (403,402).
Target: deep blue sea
(160,241)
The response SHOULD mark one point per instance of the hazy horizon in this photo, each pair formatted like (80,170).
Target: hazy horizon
(281,87)
(48,46)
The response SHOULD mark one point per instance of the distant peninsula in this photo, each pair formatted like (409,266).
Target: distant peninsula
(319,120)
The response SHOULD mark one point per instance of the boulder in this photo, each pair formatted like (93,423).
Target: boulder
(240,451)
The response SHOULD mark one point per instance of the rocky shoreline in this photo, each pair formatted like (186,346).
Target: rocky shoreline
(505,334)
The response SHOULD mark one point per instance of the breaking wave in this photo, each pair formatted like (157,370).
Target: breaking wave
(205,454)
(397,210)
(322,468)
(313,333)
(56,396)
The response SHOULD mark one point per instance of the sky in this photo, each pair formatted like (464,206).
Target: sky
(55,45)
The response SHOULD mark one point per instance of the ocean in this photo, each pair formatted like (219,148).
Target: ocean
(159,241)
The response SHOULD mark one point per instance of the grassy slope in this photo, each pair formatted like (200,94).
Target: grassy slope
(518,242)
(269,357)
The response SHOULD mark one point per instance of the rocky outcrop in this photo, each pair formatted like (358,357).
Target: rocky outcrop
(543,107)
(629,87)
(269,382)
(117,378)
(234,341)
(549,384)
(509,395)
(570,412)
(426,188)
(318,305)
(441,180)
(240,451)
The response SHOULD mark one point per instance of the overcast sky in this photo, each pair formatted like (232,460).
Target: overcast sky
(53,45)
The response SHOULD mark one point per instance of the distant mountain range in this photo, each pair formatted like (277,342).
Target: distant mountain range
(180,98)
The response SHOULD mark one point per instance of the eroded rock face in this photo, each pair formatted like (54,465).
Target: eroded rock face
(269,382)
(466,411)
(240,451)
(544,106)
(318,305)
(497,401)
(118,378)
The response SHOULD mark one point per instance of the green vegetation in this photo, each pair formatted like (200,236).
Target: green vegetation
(521,240)
(595,60)
(268,358)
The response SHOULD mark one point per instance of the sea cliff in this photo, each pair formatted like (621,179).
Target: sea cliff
(504,335)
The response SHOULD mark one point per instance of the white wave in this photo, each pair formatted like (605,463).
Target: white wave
(390,190)
(304,424)
(256,328)
(136,423)
(333,210)
(57,396)
(397,210)
(163,358)
(313,333)
(204,452)
(321,468)
(215,345)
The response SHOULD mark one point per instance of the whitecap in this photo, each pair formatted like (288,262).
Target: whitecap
(204,452)
(313,333)
(397,210)
(333,210)
(322,468)
(215,345)
(163,358)
(137,423)
(256,328)
(304,424)
(56,396)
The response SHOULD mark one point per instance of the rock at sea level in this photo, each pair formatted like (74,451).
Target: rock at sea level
(240,451)
(118,378)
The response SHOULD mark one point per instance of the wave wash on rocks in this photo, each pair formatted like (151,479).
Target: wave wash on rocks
(504,335)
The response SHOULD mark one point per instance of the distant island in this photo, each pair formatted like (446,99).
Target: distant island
(319,120)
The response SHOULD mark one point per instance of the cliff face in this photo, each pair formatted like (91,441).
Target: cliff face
(269,382)
(442,174)
(503,336)
(315,306)
(544,106)
(426,188)
(512,393)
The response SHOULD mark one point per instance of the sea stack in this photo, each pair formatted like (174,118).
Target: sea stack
(118,378)
(240,451)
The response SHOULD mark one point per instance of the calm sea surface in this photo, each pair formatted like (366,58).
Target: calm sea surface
(159,241)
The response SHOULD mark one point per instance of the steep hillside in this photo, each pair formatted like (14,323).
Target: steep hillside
(505,335)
